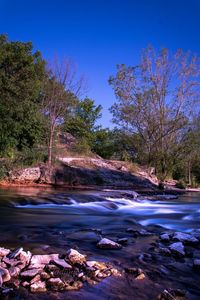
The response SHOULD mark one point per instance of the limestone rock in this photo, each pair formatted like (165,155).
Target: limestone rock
(35,279)
(62,263)
(43,259)
(14,271)
(108,244)
(75,257)
(30,273)
(177,249)
(4,273)
(27,175)
(39,286)
(11,262)
(16,253)
(4,252)
(56,284)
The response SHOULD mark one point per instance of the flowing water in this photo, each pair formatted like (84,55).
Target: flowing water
(28,214)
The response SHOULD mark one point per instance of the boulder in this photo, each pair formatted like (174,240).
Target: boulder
(39,286)
(75,257)
(4,252)
(108,244)
(16,253)
(55,284)
(177,249)
(4,273)
(14,271)
(43,259)
(30,273)
(61,263)
(165,237)
(185,238)
(11,262)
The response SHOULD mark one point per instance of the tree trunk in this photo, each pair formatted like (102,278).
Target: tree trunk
(189,171)
(50,149)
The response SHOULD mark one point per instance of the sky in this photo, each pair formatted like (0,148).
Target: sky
(99,34)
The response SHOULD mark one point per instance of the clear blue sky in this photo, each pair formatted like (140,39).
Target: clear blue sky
(98,34)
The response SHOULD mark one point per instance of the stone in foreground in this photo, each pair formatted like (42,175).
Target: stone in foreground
(177,249)
(108,244)
(43,259)
(30,273)
(185,238)
(75,257)
(39,286)
(62,263)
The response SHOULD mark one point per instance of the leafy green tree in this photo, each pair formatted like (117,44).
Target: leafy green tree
(82,120)
(21,74)
(155,100)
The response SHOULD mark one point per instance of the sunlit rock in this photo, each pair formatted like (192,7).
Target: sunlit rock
(4,252)
(75,257)
(43,259)
(30,273)
(61,263)
(39,286)
(108,244)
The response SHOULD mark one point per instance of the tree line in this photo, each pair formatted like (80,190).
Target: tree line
(156,112)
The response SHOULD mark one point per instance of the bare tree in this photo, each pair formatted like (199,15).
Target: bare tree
(156,99)
(61,88)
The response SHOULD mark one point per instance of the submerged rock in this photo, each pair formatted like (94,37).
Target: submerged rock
(108,244)
(196,264)
(185,238)
(177,249)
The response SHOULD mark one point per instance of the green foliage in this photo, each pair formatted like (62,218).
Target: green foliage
(21,73)
(181,184)
(103,143)
(82,147)
(81,121)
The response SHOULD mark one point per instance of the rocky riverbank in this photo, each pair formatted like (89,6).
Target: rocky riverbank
(129,263)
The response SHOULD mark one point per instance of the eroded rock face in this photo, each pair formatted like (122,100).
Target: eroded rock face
(25,175)
(108,244)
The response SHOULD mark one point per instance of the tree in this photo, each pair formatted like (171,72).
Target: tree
(82,120)
(21,75)
(60,90)
(156,99)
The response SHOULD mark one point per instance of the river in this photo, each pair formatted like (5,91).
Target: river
(39,211)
